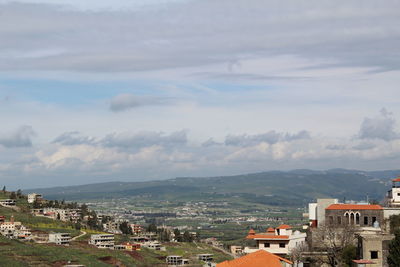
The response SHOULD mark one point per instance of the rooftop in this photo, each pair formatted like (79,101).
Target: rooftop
(259,258)
(354,207)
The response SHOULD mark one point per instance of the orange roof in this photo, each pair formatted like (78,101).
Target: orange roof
(270,230)
(267,236)
(363,262)
(259,258)
(284,226)
(397,179)
(353,207)
(252,232)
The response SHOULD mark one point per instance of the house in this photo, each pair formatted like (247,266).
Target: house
(176,260)
(102,241)
(136,229)
(260,258)
(7,202)
(393,195)
(153,245)
(280,240)
(205,257)
(236,250)
(60,238)
(359,215)
(131,247)
(34,197)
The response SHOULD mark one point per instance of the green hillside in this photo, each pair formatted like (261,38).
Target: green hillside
(294,188)
(27,253)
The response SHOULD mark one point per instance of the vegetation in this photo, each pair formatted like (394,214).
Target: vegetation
(394,250)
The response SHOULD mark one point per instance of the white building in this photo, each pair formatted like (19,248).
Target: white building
(102,241)
(34,197)
(7,202)
(279,241)
(176,260)
(316,211)
(60,238)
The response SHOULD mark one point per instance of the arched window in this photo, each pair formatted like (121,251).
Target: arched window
(347,218)
(352,218)
(357,218)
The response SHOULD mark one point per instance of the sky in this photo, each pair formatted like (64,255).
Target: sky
(95,91)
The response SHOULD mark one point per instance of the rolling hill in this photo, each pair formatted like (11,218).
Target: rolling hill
(295,187)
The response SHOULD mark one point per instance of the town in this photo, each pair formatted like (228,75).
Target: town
(333,233)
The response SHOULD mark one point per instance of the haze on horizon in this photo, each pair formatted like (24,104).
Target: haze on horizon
(136,90)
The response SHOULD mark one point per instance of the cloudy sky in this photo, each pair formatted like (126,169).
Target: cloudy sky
(151,89)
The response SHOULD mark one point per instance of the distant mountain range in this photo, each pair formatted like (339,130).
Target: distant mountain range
(279,188)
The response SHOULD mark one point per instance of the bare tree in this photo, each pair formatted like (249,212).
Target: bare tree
(297,254)
(333,242)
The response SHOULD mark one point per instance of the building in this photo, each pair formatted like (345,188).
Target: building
(7,202)
(102,241)
(316,211)
(205,257)
(60,238)
(279,241)
(260,258)
(34,197)
(359,215)
(136,229)
(236,250)
(393,195)
(176,260)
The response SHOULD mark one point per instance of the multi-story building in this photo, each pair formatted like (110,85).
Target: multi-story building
(7,202)
(34,197)
(60,238)
(102,241)
(279,241)
(176,260)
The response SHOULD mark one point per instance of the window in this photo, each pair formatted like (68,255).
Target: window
(374,255)
(266,245)
(330,219)
(398,194)
(352,218)
(339,220)
(282,245)
(357,218)
(365,220)
(373,219)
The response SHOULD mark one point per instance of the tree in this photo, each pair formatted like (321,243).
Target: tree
(13,195)
(393,258)
(152,228)
(177,235)
(336,242)
(296,254)
(125,228)
(187,237)
(4,189)
(19,193)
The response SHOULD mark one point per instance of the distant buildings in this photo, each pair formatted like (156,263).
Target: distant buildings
(14,230)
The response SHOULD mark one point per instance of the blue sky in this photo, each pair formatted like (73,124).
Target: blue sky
(93,91)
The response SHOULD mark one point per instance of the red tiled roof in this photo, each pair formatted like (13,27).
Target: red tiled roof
(353,207)
(284,226)
(397,179)
(363,261)
(267,236)
(270,230)
(252,232)
(259,258)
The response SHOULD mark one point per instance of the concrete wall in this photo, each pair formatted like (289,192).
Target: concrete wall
(322,204)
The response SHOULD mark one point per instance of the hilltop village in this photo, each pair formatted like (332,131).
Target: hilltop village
(336,233)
